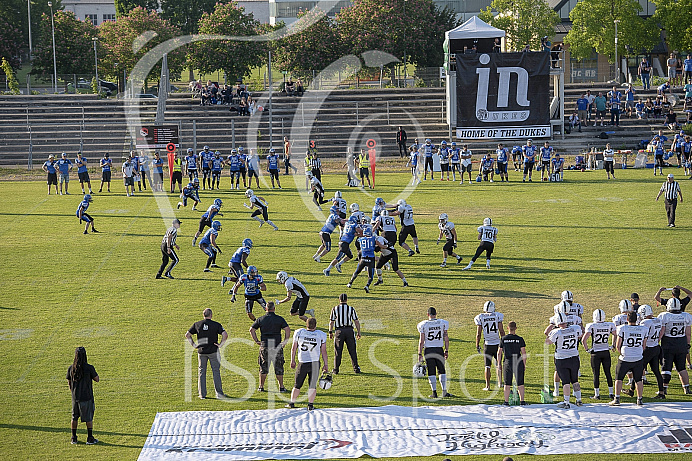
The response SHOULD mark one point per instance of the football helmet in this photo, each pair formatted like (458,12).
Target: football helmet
(367,232)
(443,218)
(217,153)
(309,174)
(195,181)
(380,201)
(325,381)
(443,143)
(334,210)
(489,306)
(384,213)
(252,272)
(354,207)
(234,151)
(566,296)
(673,305)
(189,150)
(206,147)
(272,150)
(247,243)
(337,194)
(560,318)
(401,202)
(645,310)
(218,202)
(420,369)
(281,277)
(428,141)
(248,193)
(87,198)
(564,307)
(487,222)
(240,149)
(216,225)
(625,306)
(598,316)
(454,144)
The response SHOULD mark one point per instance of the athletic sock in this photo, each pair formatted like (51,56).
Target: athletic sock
(611,390)
(403,279)
(433,383)
(577,395)
(557,386)
(596,392)
(443,383)
(444,260)
(90,433)
(74,432)
(566,397)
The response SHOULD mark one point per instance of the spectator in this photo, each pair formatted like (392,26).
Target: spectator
(497,46)
(644,72)
(49,166)
(287,157)
(649,108)
(401,139)
(661,90)
(672,64)
(299,88)
(590,97)
(640,109)
(672,120)
(252,106)
(658,108)
(600,104)
(271,347)
(629,100)
(290,88)
(555,55)
(79,377)
(82,172)
(678,72)
(671,188)
(208,332)
(244,107)
(615,103)
(64,167)
(205,96)
(157,178)
(226,95)
(582,108)
(687,64)
(213,94)
(514,365)
(574,121)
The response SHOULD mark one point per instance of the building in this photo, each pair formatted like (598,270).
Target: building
(96,11)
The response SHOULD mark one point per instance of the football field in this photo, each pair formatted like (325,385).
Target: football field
(60,289)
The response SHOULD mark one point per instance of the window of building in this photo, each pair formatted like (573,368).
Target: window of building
(108,17)
(92,18)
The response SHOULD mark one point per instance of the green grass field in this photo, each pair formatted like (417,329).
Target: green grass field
(61,289)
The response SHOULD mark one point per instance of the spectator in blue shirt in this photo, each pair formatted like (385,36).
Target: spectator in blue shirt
(615,101)
(64,167)
(641,109)
(687,65)
(629,97)
(49,166)
(158,173)
(582,108)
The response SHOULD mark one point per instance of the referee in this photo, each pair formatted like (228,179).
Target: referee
(671,189)
(341,323)
(168,247)
(316,166)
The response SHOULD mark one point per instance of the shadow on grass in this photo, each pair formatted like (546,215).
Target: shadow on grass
(66,429)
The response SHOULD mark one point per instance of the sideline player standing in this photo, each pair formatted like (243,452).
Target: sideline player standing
(546,156)
(216,168)
(529,153)
(502,160)
(487,234)
(106,166)
(675,343)
(79,377)
(466,162)
(83,172)
(631,342)
(489,323)
(49,166)
(408,226)
(64,167)
(443,152)
(254,286)
(652,353)
(83,216)
(272,168)
(310,344)
(428,150)
(566,339)
(413,160)
(450,233)
(261,205)
(599,331)
(206,157)
(191,161)
(293,286)
(168,247)
(128,169)
(455,159)
(570,315)
(433,336)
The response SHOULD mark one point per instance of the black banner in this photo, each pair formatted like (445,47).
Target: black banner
(503,95)
(157,137)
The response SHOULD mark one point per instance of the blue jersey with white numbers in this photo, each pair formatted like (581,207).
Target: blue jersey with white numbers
(243,160)
(454,157)
(349,232)
(190,190)
(376,210)
(428,150)
(487,163)
(546,153)
(216,164)
(678,141)
(252,287)
(83,167)
(529,153)
(330,224)
(659,150)
(238,255)
(158,164)
(191,162)
(64,165)
(367,246)
(106,164)
(501,155)
(516,150)
(212,211)
(558,163)
(234,162)
(414,158)
(83,205)
(206,240)
(273,161)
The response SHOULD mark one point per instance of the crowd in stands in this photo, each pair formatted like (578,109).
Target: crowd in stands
(237,97)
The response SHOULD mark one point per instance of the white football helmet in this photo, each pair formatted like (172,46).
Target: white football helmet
(309,174)
(384,213)
(489,306)
(566,296)
(645,311)
(562,307)
(673,305)
(248,193)
(599,316)
(325,381)
(401,202)
(281,277)
(420,369)
(487,222)
(443,218)
(354,207)
(625,306)
(337,194)
(560,318)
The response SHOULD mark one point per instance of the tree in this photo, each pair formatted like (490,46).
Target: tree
(117,39)
(313,47)
(123,7)
(524,21)
(593,27)
(73,45)
(10,47)
(15,15)
(676,19)
(11,79)
(235,58)
(186,13)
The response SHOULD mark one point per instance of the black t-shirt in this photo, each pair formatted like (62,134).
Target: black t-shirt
(683,302)
(207,332)
(511,346)
(82,390)
(271,326)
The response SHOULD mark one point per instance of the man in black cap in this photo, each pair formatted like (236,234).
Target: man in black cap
(341,322)
(168,247)
(634,299)
(271,346)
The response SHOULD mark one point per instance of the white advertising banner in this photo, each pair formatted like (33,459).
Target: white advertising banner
(504,133)
(395,431)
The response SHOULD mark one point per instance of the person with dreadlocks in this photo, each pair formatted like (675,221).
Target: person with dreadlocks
(79,377)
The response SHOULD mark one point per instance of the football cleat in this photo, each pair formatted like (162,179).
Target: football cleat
(310,312)
(338,268)
(563,404)
(325,272)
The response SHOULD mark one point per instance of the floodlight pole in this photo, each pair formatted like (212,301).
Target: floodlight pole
(55,65)
(617,64)
(28,9)
(96,65)
(271,121)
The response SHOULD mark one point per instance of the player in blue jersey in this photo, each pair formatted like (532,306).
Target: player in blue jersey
(234,166)
(136,177)
(332,222)
(546,155)
(444,154)
(191,163)
(350,231)
(207,218)
(190,191)
(557,166)
(205,156)
(687,155)
(106,166)
(64,166)
(529,153)
(83,216)
(502,160)
(367,258)
(238,260)
(273,167)
(216,167)
(427,151)
(243,165)
(50,167)
(209,246)
(455,161)
(413,159)
(659,152)
(254,286)
(485,168)
(677,147)
(157,177)
(516,157)
(82,172)
(253,167)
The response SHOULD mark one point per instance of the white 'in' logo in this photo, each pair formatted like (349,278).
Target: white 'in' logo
(482,112)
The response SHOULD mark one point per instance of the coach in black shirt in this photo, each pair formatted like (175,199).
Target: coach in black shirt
(341,323)
(271,347)
(675,292)
(79,377)
(514,349)
(208,332)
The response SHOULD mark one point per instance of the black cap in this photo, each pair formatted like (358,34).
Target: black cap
(432,311)
(176,221)
(634,296)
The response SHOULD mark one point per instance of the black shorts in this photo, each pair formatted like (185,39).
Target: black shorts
(106,176)
(342,215)
(490,352)
(158,177)
(309,370)
(600,113)
(326,240)
(83,410)
(215,173)
(622,368)
(300,305)
(129,181)
(83,176)
(466,168)
(277,354)
(545,165)
(444,166)
(86,218)
(568,370)
(673,357)
(406,231)
(449,246)
(52,178)
(192,172)
(250,301)
(236,268)
(501,168)
(393,257)
(261,210)
(345,249)
(528,166)
(390,236)
(513,368)
(204,222)
(608,164)
(435,360)
(274,174)
(364,172)
(455,167)
(242,170)
(177,177)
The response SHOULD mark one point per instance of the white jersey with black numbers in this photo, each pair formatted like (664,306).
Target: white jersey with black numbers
(675,323)
(294,286)
(566,341)
(620,319)
(488,233)
(433,332)
(633,338)
(387,223)
(574,309)
(600,335)
(654,325)
(490,324)
(570,320)
(340,205)
(406,214)
(446,229)
(316,184)
(309,344)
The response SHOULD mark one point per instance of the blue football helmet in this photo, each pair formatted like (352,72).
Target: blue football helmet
(87,198)
(247,243)
(444,143)
(334,210)
(206,147)
(272,150)
(189,150)
(195,181)
(218,202)
(454,144)
(380,201)
(234,151)
(217,153)
(251,272)
(367,232)
(216,225)
(240,149)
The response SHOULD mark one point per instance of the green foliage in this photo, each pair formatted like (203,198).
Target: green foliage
(675,17)
(94,85)
(235,58)
(74,52)
(185,14)
(12,83)
(10,43)
(123,7)
(14,26)
(524,21)
(593,27)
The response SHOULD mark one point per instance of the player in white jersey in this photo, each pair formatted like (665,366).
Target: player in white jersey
(625,307)
(566,340)
(310,344)
(317,191)
(261,204)
(563,308)
(675,342)
(487,234)
(294,287)
(387,224)
(433,337)
(450,234)
(574,308)
(489,324)
(652,353)
(388,254)
(600,332)
(631,342)
(408,227)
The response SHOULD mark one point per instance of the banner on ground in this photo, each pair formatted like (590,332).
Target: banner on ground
(395,431)
(157,137)
(503,95)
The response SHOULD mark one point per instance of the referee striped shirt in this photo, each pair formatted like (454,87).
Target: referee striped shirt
(315,164)
(671,190)
(172,234)
(343,316)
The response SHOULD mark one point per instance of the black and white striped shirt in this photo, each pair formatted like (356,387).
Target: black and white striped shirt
(671,190)
(343,316)
(172,234)
(315,164)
